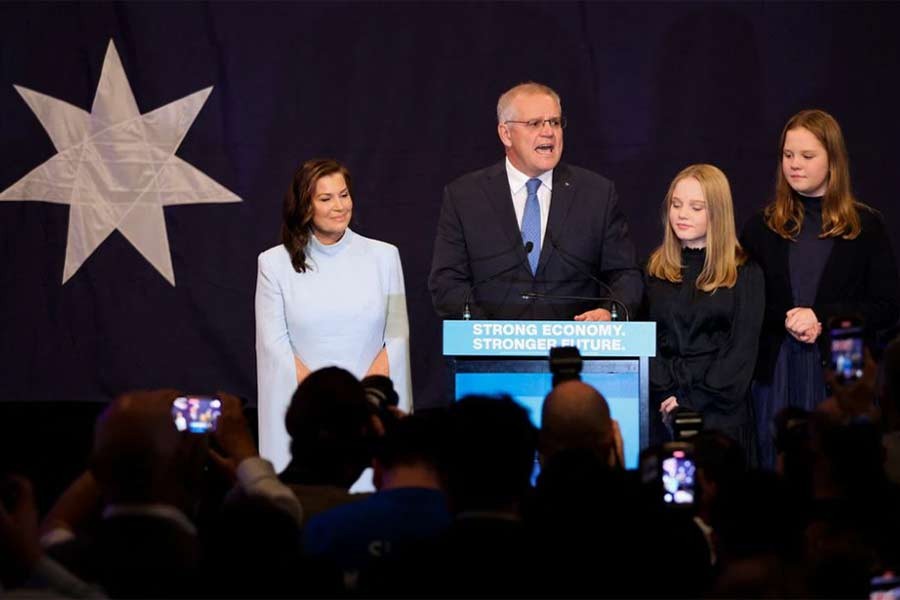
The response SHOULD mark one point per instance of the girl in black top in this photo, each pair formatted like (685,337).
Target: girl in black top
(824,255)
(707,300)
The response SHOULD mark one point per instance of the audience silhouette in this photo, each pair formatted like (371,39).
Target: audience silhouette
(159,512)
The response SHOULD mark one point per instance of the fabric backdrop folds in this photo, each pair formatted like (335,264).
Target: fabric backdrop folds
(404,94)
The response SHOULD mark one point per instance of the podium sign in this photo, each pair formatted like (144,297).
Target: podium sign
(491,357)
(536,338)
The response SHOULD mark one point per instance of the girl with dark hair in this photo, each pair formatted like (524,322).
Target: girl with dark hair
(706,297)
(326,296)
(824,255)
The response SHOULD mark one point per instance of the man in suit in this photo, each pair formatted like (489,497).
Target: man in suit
(530,237)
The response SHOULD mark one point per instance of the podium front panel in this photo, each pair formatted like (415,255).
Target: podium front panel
(529,380)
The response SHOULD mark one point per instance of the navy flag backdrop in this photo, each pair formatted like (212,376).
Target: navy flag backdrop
(136,197)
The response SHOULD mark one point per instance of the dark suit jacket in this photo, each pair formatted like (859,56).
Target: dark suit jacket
(860,278)
(479,243)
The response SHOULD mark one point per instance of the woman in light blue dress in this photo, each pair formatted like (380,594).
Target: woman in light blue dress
(326,296)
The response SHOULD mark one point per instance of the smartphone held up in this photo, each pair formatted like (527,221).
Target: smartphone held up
(196,414)
(678,473)
(670,473)
(847,350)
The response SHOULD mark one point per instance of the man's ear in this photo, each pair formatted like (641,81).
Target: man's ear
(503,133)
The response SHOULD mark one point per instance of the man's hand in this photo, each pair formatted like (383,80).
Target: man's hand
(598,314)
(803,324)
(233,435)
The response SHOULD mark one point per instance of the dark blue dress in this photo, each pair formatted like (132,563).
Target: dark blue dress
(798,379)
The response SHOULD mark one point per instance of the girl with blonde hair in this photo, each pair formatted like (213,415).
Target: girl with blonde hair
(824,255)
(706,297)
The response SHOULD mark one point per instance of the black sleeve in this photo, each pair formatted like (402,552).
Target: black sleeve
(451,277)
(880,308)
(728,378)
(666,376)
(618,265)
(753,240)
(663,381)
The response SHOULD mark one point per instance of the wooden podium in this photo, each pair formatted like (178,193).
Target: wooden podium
(490,357)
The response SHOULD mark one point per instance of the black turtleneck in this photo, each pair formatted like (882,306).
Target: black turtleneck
(706,342)
(808,253)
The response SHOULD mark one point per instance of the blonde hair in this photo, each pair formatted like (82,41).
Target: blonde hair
(840,214)
(504,104)
(723,252)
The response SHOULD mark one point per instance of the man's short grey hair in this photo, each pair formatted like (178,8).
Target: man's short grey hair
(504,104)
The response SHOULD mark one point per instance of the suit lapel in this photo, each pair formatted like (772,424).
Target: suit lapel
(560,203)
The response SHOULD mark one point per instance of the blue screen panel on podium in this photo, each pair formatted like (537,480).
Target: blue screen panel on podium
(528,381)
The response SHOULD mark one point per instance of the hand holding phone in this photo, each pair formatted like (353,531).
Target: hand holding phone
(234,440)
(669,472)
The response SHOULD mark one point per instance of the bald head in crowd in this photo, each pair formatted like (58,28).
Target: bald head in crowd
(576,416)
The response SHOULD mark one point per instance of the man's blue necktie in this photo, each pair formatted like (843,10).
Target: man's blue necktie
(531,223)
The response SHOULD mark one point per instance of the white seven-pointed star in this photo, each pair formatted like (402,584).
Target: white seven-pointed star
(116,168)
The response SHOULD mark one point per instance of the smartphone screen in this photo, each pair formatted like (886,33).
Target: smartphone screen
(847,353)
(196,414)
(678,473)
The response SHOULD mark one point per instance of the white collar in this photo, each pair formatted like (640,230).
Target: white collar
(518,179)
(330,249)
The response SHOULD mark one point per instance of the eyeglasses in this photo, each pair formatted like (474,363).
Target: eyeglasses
(536,124)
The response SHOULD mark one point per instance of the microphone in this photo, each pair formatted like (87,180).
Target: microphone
(571,261)
(467,314)
(533,295)
(614,315)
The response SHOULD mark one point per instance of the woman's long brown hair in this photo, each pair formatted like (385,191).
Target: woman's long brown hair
(296,224)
